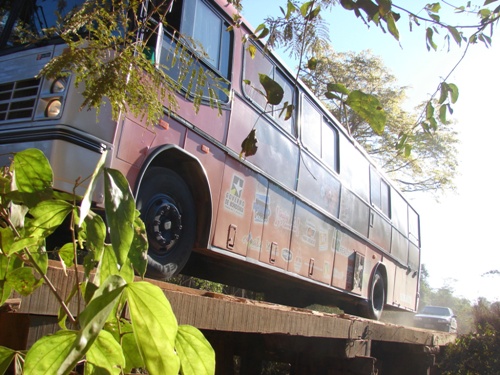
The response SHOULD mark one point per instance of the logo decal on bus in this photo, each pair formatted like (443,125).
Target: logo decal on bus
(283,218)
(309,236)
(286,255)
(233,201)
(261,209)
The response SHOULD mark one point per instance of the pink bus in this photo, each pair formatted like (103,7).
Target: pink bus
(308,218)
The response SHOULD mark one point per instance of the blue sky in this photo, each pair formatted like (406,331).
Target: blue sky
(458,232)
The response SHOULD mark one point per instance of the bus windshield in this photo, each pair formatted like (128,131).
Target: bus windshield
(24,21)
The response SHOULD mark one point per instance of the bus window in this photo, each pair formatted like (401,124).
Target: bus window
(253,67)
(329,146)
(31,19)
(310,125)
(379,192)
(208,30)
(318,135)
(261,64)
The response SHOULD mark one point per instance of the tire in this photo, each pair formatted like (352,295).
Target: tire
(376,298)
(168,211)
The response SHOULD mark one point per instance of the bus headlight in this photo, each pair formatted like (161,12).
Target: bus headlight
(59,85)
(53,108)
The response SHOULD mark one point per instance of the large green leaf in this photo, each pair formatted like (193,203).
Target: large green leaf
(155,328)
(6,356)
(105,357)
(48,216)
(196,354)
(92,319)
(32,171)
(87,198)
(130,349)
(47,354)
(23,281)
(120,213)
(274,91)
(368,107)
(139,249)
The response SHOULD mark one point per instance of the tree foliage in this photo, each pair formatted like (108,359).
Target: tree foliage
(477,352)
(427,162)
(304,35)
(111,54)
(97,335)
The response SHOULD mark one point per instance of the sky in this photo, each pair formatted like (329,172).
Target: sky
(459,231)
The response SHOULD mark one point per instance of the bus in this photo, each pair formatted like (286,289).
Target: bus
(309,218)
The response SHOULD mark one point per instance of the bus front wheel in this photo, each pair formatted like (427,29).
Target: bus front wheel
(168,211)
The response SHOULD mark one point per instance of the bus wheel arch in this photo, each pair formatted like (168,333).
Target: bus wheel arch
(173,195)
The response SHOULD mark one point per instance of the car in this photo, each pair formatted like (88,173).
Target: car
(437,318)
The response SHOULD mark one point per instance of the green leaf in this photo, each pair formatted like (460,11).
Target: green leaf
(41,259)
(487,2)
(290,8)
(92,319)
(120,213)
(249,144)
(139,250)
(261,31)
(274,91)
(456,35)
(442,113)
(407,150)
(453,89)
(108,265)
(87,198)
(195,352)
(429,111)
(337,87)
(67,254)
(348,4)
(105,356)
(23,281)
(130,349)
(444,88)
(47,355)
(312,63)
(48,216)
(304,8)
(155,328)
(21,244)
(332,96)
(429,41)
(252,50)
(32,171)
(368,107)
(6,357)
(391,24)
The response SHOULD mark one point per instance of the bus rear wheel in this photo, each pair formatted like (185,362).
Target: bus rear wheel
(374,307)
(168,211)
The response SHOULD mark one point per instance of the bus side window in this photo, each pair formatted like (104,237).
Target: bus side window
(260,64)
(310,127)
(379,192)
(210,32)
(329,146)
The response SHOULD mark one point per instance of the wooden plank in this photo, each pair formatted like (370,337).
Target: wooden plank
(212,311)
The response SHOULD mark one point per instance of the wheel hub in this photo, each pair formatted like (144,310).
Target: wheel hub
(163,224)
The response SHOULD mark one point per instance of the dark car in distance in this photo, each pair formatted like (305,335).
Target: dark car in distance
(437,318)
